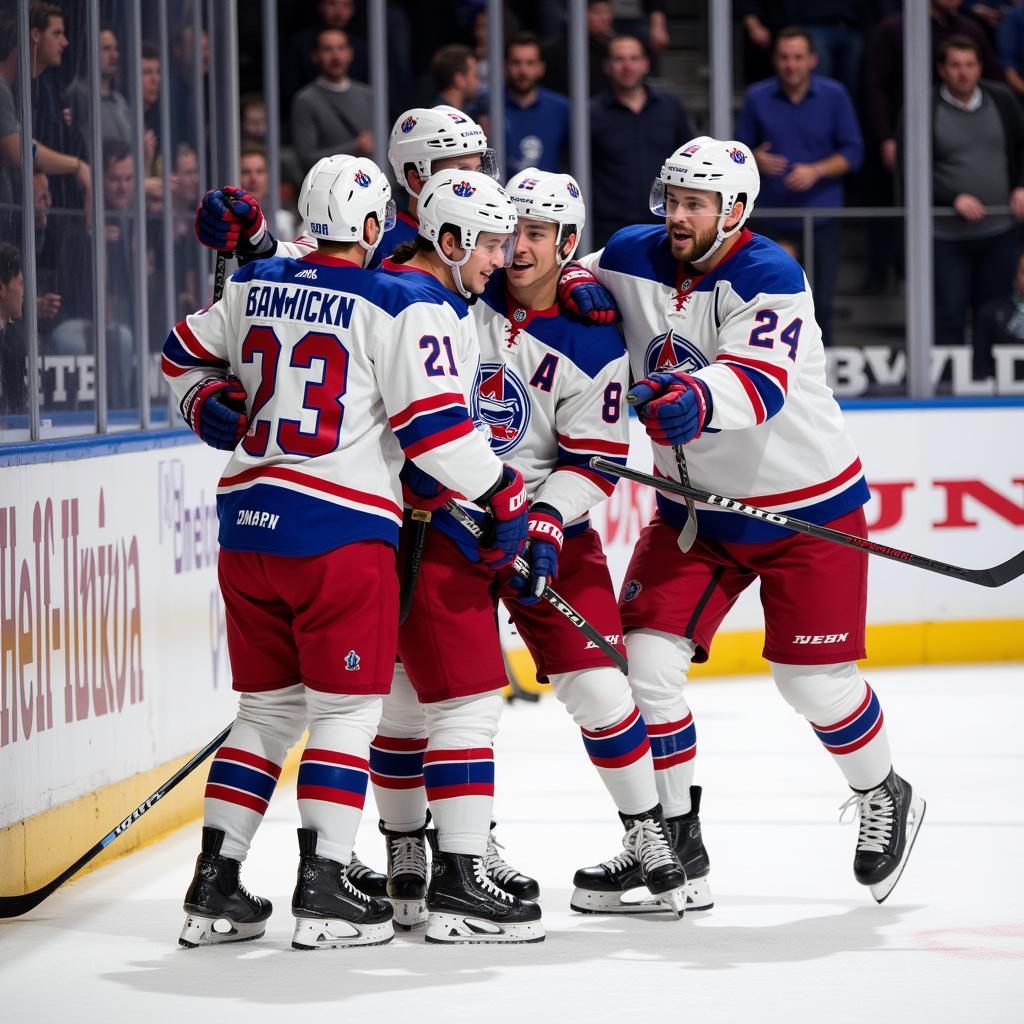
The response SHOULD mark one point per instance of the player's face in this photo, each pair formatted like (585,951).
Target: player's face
(691,219)
(488,256)
(466,162)
(534,258)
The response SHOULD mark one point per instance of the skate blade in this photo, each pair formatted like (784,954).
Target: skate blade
(210,931)
(409,914)
(880,890)
(333,933)
(674,901)
(696,895)
(453,929)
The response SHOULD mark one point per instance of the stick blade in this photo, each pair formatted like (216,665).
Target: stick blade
(1007,572)
(15,906)
(687,535)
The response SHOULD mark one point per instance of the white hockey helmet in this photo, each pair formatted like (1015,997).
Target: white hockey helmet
(337,196)
(425,134)
(470,201)
(544,195)
(711,165)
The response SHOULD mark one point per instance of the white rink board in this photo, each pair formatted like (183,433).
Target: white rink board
(71,719)
(925,468)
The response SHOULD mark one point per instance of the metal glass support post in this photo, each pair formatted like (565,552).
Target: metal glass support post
(496,82)
(720,67)
(99,248)
(141,303)
(579,96)
(378,44)
(917,187)
(272,102)
(167,214)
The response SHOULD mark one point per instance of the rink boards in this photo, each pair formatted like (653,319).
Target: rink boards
(112,654)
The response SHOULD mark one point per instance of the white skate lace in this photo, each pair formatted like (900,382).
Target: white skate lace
(647,842)
(876,813)
(408,856)
(621,861)
(355,893)
(485,882)
(357,869)
(493,863)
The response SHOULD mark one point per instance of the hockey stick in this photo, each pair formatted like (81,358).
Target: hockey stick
(15,906)
(220,271)
(419,519)
(997,576)
(688,534)
(559,603)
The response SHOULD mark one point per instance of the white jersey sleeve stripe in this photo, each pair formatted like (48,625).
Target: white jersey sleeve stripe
(778,372)
(433,403)
(599,446)
(193,345)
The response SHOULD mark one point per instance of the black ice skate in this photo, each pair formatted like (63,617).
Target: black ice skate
(466,906)
(407,875)
(647,877)
(329,910)
(685,834)
(366,880)
(219,907)
(506,876)
(890,816)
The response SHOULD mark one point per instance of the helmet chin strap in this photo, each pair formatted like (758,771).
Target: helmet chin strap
(719,241)
(456,270)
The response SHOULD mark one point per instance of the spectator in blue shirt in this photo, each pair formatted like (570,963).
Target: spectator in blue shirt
(1010,40)
(536,119)
(632,127)
(805,138)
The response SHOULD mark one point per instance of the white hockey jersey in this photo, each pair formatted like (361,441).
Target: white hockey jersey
(775,437)
(347,372)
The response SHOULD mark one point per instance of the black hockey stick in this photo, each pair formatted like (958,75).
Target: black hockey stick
(15,906)
(220,272)
(419,520)
(688,534)
(994,577)
(553,598)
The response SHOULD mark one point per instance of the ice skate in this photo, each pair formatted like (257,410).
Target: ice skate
(466,906)
(407,875)
(366,880)
(329,910)
(219,907)
(645,878)
(509,878)
(684,831)
(890,816)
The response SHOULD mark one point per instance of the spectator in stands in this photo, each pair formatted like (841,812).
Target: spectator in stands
(536,119)
(254,178)
(253,120)
(150,67)
(1000,322)
(805,137)
(47,302)
(184,127)
(332,114)
(644,20)
(13,390)
(632,127)
(1010,39)
(457,79)
(977,162)
(115,117)
(600,30)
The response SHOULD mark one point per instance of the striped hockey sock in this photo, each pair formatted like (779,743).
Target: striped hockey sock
(396,771)
(621,753)
(858,742)
(674,747)
(460,788)
(331,792)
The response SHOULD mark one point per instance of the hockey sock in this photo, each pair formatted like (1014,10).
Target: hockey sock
(845,714)
(334,770)
(614,734)
(396,758)
(458,770)
(658,664)
(245,770)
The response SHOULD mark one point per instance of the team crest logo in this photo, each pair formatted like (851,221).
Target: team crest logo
(408,124)
(572,189)
(504,405)
(351,662)
(463,189)
(671,351)
(529,184)
(457,118)
(738,156)
(690,150)
(631,591)
(519,315)
(362,179)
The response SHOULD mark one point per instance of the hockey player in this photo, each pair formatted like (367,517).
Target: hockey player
(729,361)
(312,373)
(550,389)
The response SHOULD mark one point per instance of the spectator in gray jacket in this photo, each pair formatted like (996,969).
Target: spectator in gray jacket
(332,114)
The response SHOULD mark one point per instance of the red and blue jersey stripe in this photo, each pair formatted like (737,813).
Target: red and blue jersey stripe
(453,773)
(183,352)
(619,745)
(672,743)
(575,453)
(765,383)
(240,777)
(856,730)
(332,776)
(430,422)
(396,762)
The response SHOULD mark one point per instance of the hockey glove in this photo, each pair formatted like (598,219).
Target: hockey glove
(215,411)
(545,536)
(231,220)
(581,293)
(421,490)
(505,534)
(673,407)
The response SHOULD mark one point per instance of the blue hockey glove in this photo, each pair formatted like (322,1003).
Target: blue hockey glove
(421,490)
(215,411)
(581,293)
(505,534)
(230,220)
(673,407)
(545,535)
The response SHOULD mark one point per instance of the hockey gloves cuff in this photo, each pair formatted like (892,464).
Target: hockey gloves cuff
(581,293)
(505,535)
(230,220)
(421,490)
(215,411)
(674,407)
(545,536)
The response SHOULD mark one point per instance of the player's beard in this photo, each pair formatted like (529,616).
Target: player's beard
(696,247)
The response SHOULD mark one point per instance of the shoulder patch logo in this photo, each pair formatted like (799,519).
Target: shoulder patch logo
(504,405)
(463,189)
(671,351)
